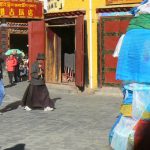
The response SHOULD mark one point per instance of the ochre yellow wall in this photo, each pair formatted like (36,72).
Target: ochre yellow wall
(73,5)
(68,5)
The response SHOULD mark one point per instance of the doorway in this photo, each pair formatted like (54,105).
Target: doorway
(65,50)
(19,41)
(61,55)
(67,35)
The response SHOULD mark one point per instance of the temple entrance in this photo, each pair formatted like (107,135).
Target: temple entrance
(61,54)
(65,51)
(68,54)
(19,41)
(63,46)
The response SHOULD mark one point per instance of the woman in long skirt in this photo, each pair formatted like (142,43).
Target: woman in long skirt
(36,94)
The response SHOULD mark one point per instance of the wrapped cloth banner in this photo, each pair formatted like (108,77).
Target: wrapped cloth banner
(134,57)
(123,131)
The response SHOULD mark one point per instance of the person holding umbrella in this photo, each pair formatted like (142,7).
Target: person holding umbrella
(18,54)
(36,94)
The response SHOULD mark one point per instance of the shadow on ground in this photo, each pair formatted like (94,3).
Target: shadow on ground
(17,147)
(15,105)
(54,100)
(11,106)
(9,85)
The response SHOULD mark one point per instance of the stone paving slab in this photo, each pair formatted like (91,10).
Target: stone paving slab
(79,122)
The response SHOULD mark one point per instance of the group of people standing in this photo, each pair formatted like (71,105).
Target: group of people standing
(15,68)
(36,94)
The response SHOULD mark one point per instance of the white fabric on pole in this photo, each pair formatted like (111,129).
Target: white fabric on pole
(141,100)
(144,9)
(121,133)
(118,46)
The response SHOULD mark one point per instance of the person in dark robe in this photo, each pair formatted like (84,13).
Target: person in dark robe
(16,69)
(36,94)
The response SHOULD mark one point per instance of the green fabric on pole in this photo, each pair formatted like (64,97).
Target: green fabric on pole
(140,22)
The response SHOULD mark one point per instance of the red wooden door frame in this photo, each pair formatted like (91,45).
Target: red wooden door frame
(36,40)
(53,63)
(79,51)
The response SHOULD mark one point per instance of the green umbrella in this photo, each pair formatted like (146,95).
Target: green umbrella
(10,51)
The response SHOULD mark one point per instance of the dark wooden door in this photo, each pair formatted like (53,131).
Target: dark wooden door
(36,40)
(111,28)
(79,51)
(53,53)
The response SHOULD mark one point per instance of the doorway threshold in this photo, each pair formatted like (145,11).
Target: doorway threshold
(64,88)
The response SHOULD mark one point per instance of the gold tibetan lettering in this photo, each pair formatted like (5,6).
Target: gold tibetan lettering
(30,12)
(8,4)
(11,12)
(4,4)
(2,11)
(21,12)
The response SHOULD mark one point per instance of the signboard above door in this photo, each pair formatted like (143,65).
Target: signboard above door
(55,5)
(14,9)
(119,2)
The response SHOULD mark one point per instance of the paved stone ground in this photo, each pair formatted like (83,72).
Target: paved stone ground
(79,122)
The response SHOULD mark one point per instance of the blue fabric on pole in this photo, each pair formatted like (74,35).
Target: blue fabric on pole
(134,58)
(148,109)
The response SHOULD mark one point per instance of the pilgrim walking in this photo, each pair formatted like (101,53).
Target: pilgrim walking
(36,94)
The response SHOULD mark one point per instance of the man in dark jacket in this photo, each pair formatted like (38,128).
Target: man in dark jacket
(16,71)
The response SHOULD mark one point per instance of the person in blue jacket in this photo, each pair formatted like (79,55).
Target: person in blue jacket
(2,91)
